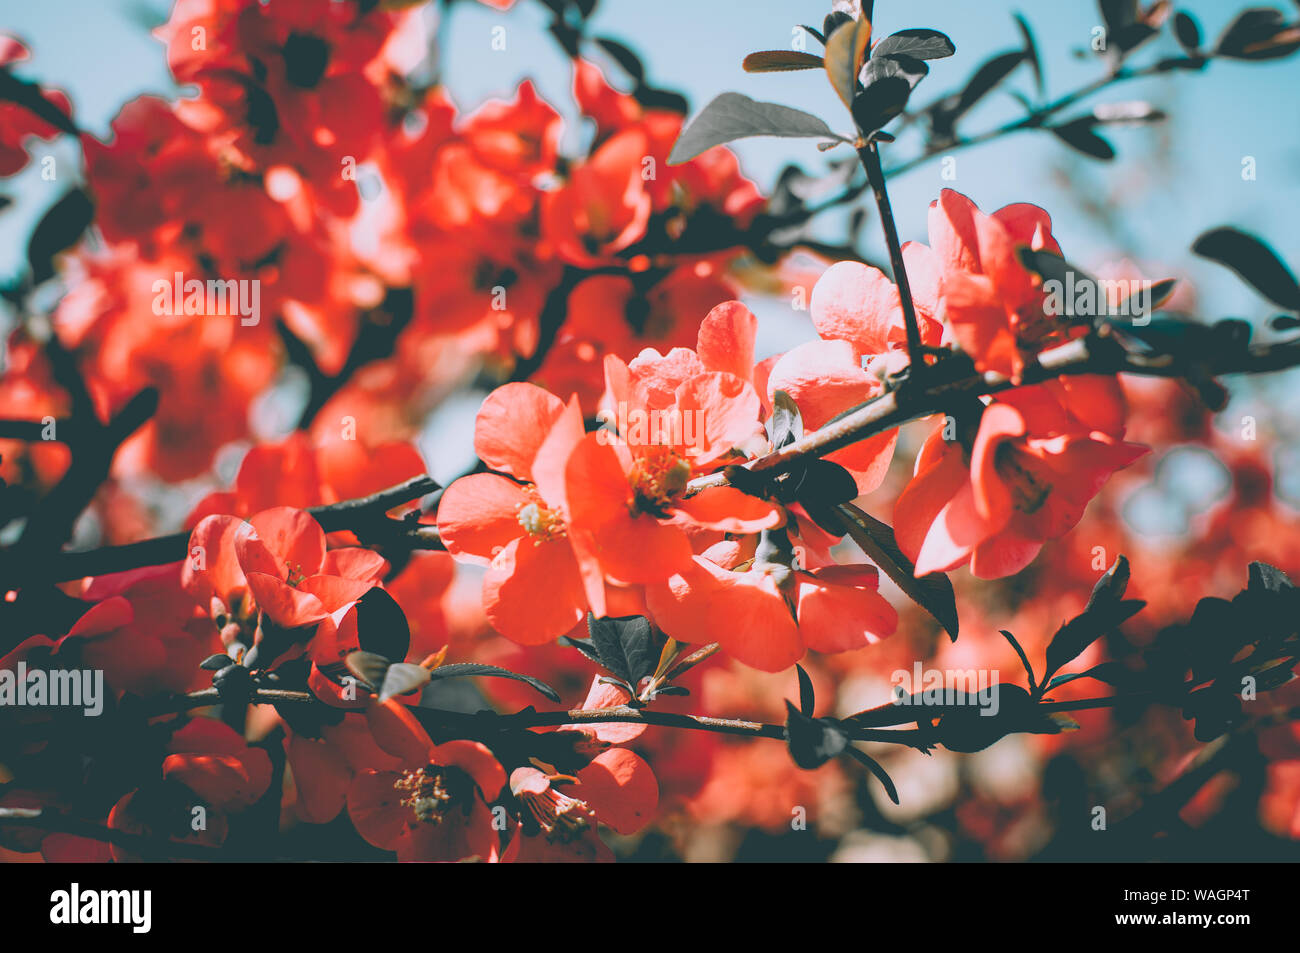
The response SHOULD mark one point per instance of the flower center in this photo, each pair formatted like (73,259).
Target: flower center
(432,791)
(295,576)
(1028,489)
(559,816)
(540,522)
(658,479)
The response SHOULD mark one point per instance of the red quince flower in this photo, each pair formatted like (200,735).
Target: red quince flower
(1040,454)
(434,807)
(767,615)
(18,122)
(992,304)
(516,523)
(618,789)
(278,557)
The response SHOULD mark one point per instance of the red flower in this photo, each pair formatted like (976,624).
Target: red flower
(1041,453)
(279,559)
(768,615)
(18,122)
(605,205)
(532,590)
(992,304)
(617,789)
(435,807)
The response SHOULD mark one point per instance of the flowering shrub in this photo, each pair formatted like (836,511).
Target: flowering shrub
(748,579)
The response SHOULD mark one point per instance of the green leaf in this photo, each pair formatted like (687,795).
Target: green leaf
(368,668)
(785,426)
(920,43)
(1254,261)
(466,669)
(780,61)
(402,677)
(627,646)
(933,592)
(733,116)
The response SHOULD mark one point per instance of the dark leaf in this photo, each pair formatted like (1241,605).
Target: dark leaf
(878,68)
(875,768)
(888,82)
(989,715)
(465,669)
(994,71)
(402,677)
(1112,673)
(627,646)
(1031,52)
(823,485)
(666,99)
(779,61)
(30,97)
(921,43)
(1259,33)
(1187,31)
(1024,659)
(1265,578)
(933,592)
(732,116)
(1118,14)
(813,741)
(1106,609)
(1254,261)
(807,700)
(624,57)
(818,34)
(381,625)
(60,228)
(880,102)
(582,645)
(1079,135)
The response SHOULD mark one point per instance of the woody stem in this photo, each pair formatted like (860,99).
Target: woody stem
(870,156)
